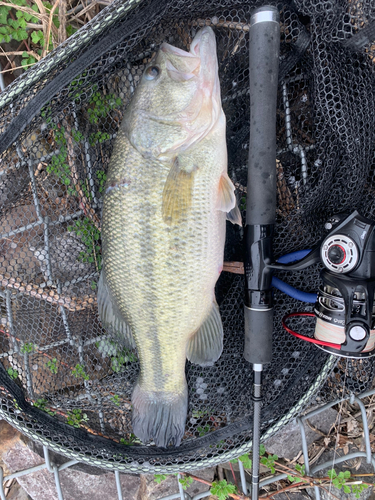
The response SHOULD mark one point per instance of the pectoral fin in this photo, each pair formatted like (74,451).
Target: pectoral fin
(227,200)
(206,345)
(234,216)
(177,193)
(110,314)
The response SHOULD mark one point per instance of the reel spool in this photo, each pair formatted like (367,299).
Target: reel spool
(329,310)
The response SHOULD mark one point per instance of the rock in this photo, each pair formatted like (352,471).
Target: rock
(196,487)
(354,466)
(17,493)
(287,442)
(65,251)
(298,495)
(335,492)
(16,260)
(16,456)
(60,459)
(8,438)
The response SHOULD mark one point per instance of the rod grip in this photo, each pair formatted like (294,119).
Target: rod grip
(264,67)
(258,335)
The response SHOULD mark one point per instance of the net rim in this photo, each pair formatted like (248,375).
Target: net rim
(133,468)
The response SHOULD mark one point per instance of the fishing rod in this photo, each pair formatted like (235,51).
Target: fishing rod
(260,206)
(344,305)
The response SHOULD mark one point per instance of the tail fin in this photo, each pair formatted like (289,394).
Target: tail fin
(160,416)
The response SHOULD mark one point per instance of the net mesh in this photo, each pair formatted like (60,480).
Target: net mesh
(66,381)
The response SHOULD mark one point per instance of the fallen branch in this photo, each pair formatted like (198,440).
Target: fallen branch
(49,27)
(20,53)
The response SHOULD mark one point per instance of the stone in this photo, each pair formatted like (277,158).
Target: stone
(287,442)
(335,492)
(17,493)
(40,485)
(8,438)
(58,459)
(206,474)
(298,495)
(353,466)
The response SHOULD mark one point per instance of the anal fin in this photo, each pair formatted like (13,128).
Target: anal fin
(110,314)
(206,345)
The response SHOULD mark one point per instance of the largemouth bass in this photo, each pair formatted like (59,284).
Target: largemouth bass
(165,205)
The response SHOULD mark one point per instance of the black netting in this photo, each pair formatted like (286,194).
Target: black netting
(64,379)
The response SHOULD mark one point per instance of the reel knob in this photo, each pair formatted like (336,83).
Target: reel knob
(336,254)
(357,332)
(339,253)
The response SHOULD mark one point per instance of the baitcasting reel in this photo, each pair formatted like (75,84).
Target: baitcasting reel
(344,307)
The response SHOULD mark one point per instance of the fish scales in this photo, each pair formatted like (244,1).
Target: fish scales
(153,267)
(163,246)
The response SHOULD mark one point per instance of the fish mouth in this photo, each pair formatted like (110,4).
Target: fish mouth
(181,65)
(169,49)
(204,41)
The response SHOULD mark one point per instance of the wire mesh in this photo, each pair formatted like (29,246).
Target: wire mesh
(67,382)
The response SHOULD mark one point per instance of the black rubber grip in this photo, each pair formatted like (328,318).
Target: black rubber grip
(264,66)
(258,335)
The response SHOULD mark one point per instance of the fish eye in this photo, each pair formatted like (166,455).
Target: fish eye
(152,72)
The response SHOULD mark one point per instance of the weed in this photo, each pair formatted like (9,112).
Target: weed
(41,404)
(200,413)
(27,348)
(28,27)
(90,236)
(102,177)
(100,105)
(118,361)
(269,462)
(79,371)
(186,481)
(52,365)
(222,489)
(358,488)
(76,418)
(132,440)
(203,430)
(247,462)
(13,374)
(159,478)
(99,137)
(116,400)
